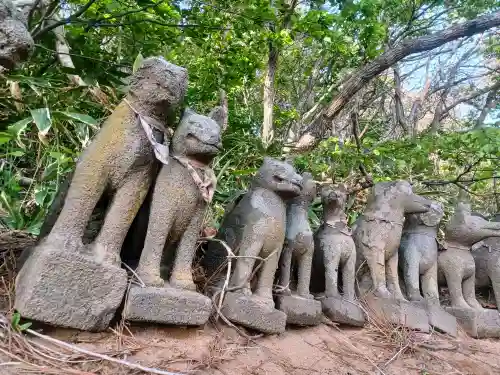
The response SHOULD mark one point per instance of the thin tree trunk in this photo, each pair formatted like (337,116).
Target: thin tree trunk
(490,103)
(407,47)
(267,123)
(398,102)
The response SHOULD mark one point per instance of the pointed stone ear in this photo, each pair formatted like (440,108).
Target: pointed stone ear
(220,113)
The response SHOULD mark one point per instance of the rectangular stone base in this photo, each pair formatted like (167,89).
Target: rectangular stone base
(399,312)
(439,319)
(342,311)
(300,311)
(167,306)
(69,289)
(477,323)
(250,312)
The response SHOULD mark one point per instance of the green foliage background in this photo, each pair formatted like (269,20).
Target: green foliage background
(223,44)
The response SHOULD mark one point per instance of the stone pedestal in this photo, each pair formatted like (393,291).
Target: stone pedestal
(300,311)
(343,311)
(167,306)
(252,312)
(69,289)
(399,312)
(477,323)
(439,319)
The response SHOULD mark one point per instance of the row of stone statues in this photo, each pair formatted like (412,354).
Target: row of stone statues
(265,260)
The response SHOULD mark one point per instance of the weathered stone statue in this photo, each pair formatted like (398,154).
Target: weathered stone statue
(377,235)
(487,259)
(333,249)
(457,264)
(255,227)
(182,191)
(418,253)
(16,42)
(64,282)
(296,258)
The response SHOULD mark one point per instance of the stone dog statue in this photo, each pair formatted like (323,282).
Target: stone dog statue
(16,42)
(418,254)
(255,227)
(378,233)
(299,244)
(456,262)
(120,161)
(182,191)
(333,246)
(294,298)
(487,260)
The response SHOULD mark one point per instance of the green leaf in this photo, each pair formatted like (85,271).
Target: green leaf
(17,153)
(86,119)
(137,62)
(5,137)
(24,327)
(42,119)
(19,126)
(16,317)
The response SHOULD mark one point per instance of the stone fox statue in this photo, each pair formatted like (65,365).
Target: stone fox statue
(255,227)
(121,159)
(334,246)
(299,246)
(179,202)
(456,262)
(487,260)
(418,254)
(378,232)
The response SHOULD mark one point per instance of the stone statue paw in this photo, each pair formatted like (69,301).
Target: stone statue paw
(416,298)
(103,256)
(152,280)
(306,296)
(382,292)
(285,292)
(186,284)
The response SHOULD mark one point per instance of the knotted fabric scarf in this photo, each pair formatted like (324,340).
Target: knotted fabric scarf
(346,230)
(160,150)
(206,184)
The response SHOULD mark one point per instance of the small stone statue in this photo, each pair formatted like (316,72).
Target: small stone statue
(64,282)
(418,254)
(378,233)
(487,260)
(297,255)
(182,191)
(333,249)
(456,262)
(16,42)
(255,227)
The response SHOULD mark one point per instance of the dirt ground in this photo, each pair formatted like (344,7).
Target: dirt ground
(325,349)
(218,349)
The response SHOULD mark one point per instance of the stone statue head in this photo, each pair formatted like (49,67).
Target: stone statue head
(399,195)
(16,42)
(308,192)
(197,136)
(431,218)
(159,84)
(279,177)
(332,195)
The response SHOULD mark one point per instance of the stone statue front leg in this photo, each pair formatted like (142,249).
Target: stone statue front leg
(266,275)
(430,284)
(86,188)
(410,262)
(348,277)
(331,261)
(250,248)
(182,276)
(469,291)
(304,273)
(161,219)
(392,277)
(124,206)
(285,265)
